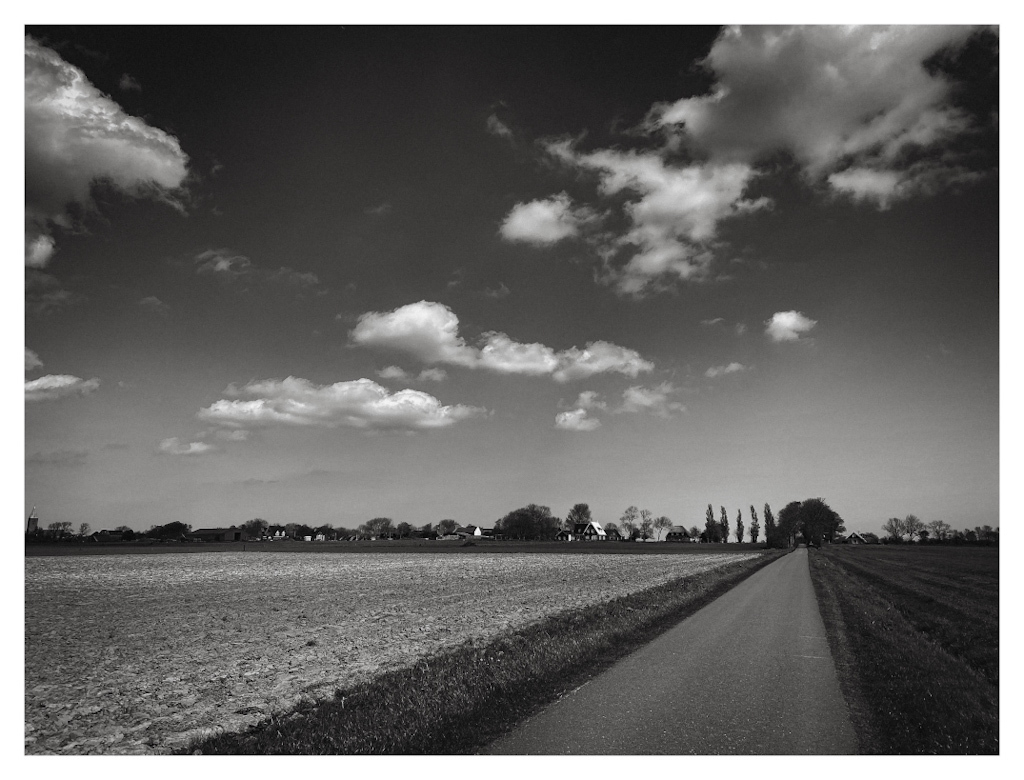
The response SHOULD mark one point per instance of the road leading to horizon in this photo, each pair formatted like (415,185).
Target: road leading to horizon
(750,673)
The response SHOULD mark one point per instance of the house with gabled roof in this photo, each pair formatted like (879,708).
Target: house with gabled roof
(854,538)
(678,533)
(589,532)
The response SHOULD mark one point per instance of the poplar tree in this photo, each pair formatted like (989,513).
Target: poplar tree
(755,529)
(710,526)
(769,524)
(724,524)
(739,526)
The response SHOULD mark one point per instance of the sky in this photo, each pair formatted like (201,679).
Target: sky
(326,274)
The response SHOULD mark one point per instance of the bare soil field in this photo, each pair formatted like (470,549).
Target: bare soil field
(131,654)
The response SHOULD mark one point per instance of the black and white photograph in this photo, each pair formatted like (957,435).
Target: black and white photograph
(436,387)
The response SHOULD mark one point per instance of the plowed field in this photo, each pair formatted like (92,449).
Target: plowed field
(133,654)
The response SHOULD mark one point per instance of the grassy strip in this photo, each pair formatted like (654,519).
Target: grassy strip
(462,699)
(906,693)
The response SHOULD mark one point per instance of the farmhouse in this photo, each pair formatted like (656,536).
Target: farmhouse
(612,534)
(221,534)
(854,538)
(563,536)
(589,532)
(678,534)
(469,531)
(107,537)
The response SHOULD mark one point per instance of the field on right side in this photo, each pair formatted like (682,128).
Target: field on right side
(914,631)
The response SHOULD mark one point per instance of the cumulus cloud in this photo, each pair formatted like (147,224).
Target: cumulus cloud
(838,98)
(393,372)
(361,403)
(38,250)
(731,368)
(496,127)
(222,261)
(172,446)
(672,213)
(430,332)
(576,420)
(229,266)
(54,386)
(543,222)
(75,136)
(788,325)
(590,399)
(652,400)
(855,108)
(432,375)
(32,360)
(153,304)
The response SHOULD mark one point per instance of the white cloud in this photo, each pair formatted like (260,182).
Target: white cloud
(496,127)
(400,374)
(835,97)
(505,356)
(153,304)
(393,372)
(599,357)
(590,399)
(361,403)
(38,250)
(427,330)
(432,375)
(731,368)
(543,222)
(32,360)
(54,386)
(673,213)
(172,446)
(76,136)
(430,332)
(576,420)
(864,184)
(788,325)
(715,321)
(653,400)
(222,261)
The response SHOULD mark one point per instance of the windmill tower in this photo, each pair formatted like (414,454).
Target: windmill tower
(33,522)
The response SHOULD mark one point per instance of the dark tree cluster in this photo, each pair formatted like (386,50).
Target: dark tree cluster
(529,522)
(812,519)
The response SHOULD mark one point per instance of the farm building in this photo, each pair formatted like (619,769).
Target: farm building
(107,537)
(854,538)
(612,534)
(277,532)
(563,536)
(589,532)
(678,534)
(221,534)
(468,531)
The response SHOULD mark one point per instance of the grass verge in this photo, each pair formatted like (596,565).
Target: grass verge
(908,689)
(462,699)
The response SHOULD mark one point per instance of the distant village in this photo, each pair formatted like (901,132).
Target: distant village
(528,523)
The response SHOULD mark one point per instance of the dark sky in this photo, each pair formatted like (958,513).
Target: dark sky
(337,273)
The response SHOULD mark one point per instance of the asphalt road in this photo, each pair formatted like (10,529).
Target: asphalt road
(750,673)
